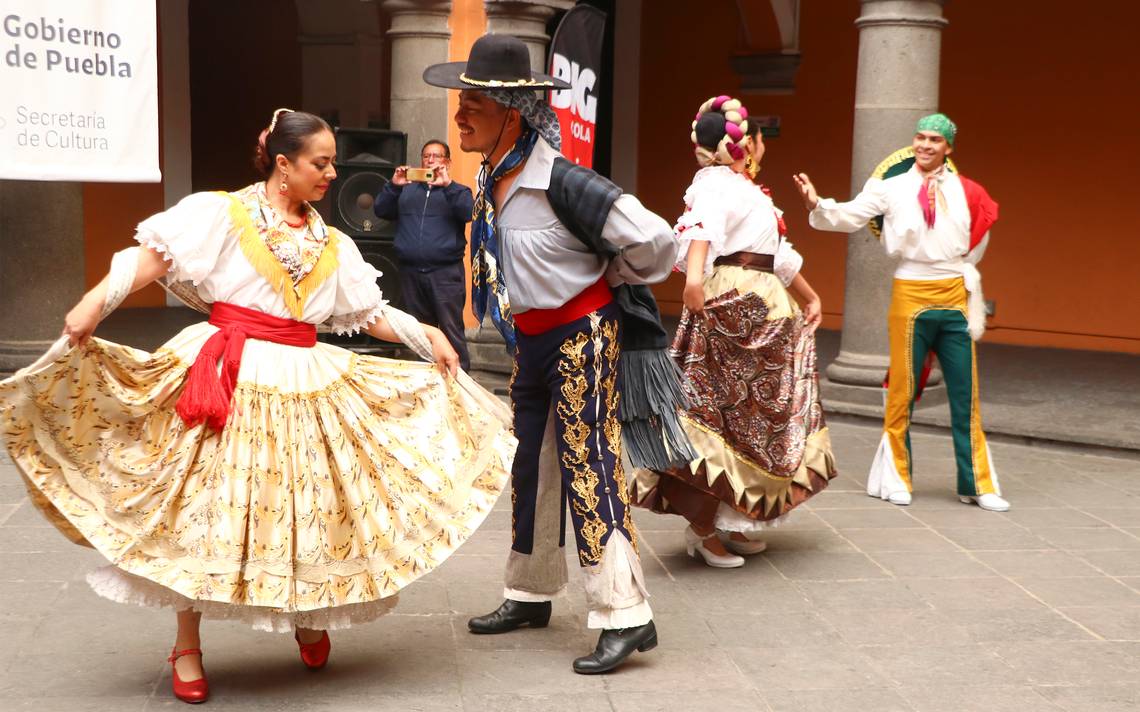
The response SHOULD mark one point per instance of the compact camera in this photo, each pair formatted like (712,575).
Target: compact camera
(421,175)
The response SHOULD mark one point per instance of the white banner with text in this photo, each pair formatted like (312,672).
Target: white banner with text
(80,97)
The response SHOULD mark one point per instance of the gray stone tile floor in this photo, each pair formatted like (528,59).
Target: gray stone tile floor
(857,605)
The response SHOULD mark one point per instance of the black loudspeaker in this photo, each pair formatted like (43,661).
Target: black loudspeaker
(366,160)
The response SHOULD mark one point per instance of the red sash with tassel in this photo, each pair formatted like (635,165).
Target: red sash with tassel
(206,396)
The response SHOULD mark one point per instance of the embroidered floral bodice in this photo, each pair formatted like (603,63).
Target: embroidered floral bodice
(236,248)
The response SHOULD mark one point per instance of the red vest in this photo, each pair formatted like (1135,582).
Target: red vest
(983,210)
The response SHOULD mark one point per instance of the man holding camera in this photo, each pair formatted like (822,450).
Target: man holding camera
(430,211)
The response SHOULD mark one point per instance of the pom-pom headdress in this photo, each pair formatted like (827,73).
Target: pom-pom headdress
(723,127)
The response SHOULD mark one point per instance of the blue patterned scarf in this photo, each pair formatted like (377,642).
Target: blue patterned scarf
(488,284)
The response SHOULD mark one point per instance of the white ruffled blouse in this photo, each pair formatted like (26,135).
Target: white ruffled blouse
(733,214)
(938,252)
(225,262)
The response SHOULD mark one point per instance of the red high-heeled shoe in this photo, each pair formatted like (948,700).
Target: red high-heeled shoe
(315,655)
(194,691)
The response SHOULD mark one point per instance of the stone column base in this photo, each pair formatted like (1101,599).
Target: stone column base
(41,268)
(853,384)
(487,349)
(868,401)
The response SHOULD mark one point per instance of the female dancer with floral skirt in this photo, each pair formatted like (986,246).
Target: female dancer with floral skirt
(747,352)
(295,486)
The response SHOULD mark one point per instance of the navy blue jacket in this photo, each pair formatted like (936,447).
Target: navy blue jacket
(429,222)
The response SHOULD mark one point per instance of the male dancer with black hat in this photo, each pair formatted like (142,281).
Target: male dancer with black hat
(554,250)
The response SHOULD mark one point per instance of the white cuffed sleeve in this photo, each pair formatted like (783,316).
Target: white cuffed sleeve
(645,240)
(189,236)
(709,201)
(852,215)
(787,263)
(359,302)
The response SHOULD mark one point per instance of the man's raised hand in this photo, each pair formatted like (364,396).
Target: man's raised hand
(807,190)
(442,177)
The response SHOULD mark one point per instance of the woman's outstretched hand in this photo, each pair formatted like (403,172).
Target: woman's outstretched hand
(813,314)
(81,321)
(807,190)
(446,360)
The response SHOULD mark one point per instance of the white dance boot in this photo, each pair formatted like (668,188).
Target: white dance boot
(901,498)
(744,548)
(989,502)
(695,544)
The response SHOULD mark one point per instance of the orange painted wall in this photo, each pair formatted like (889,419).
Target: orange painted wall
(1045,103)
(468,23)
(110,213)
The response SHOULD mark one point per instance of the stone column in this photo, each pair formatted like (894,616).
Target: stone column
(527,21)
(900,44)
(41,265)
(420,37)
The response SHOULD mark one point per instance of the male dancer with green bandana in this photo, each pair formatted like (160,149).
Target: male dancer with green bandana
(937,223)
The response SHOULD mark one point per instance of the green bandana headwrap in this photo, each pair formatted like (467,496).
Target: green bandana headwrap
(939,123)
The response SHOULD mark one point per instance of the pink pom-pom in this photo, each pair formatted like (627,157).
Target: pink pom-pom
(735,151)
(733,131)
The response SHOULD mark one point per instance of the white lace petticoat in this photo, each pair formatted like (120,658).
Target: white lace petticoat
(117,585)
(730,520)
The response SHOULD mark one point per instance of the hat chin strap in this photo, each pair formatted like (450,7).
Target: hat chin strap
(485,164)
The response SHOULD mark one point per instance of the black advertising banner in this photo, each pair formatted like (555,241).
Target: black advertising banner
(576,57)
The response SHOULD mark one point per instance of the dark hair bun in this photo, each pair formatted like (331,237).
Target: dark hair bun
(260,157)
(710,129)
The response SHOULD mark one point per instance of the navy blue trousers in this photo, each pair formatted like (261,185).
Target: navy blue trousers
(571,371)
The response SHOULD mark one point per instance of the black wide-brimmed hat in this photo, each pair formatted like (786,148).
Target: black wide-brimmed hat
(496,62)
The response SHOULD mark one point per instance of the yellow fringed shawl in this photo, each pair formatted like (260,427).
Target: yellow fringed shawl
(270,268)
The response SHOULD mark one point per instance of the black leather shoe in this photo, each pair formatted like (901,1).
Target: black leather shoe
(512,615)
(614,646)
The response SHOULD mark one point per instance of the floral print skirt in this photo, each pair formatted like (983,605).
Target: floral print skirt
(754,413)
(338,479)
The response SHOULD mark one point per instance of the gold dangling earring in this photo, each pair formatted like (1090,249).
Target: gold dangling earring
(283,189)
(751,166)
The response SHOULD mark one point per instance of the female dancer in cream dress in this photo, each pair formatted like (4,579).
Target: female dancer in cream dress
(295,485)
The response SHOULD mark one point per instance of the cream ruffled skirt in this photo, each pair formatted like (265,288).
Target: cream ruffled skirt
(338,480)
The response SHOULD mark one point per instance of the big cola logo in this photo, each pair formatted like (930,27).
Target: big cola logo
(579,98)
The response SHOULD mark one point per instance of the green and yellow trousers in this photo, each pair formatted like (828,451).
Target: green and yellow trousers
(925,316)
